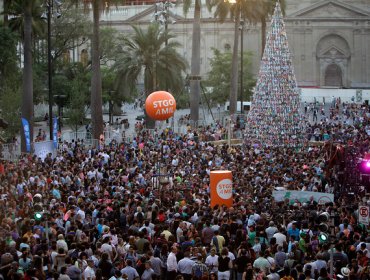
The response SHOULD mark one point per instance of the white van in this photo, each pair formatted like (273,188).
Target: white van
(246,106)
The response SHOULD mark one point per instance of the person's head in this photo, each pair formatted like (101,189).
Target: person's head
(90,263)
(174,249)
(324,272)
(187,254)
(131,249)
(117,273)
(104,257)
(213,252)
(224,252)
(129,262)
(307,273)
(148,265)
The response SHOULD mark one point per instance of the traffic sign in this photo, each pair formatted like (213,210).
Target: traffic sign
(363,215)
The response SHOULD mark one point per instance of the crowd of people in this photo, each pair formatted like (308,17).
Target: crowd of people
(141,210)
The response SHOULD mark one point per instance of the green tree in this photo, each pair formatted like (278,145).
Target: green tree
(248,10)
(76,112)
(147,52)
(9,82)
(8,55)
(108,43)
(69,31)
(76,80)
(15,10)
(10,106)
(219,76)
(79,77)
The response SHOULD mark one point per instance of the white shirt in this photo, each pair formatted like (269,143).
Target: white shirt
(171,262)
(179,233)
(61,243)
(106,248)
(280,238)
(185,266)
(81,213)
(131,272)
(270,231)
(231,256)
(212,262)
(89,273)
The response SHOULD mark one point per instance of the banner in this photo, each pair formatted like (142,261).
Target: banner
(27,135)
(302,197)
(42,149)
(55,132)
(221,188)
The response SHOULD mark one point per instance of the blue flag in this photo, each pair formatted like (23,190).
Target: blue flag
(55,132)
(27,135)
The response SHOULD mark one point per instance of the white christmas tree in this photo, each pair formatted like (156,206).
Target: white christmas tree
(274,118)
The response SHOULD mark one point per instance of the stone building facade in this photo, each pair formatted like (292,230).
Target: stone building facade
(329,39)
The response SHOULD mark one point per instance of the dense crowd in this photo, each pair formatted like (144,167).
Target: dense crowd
(141,210)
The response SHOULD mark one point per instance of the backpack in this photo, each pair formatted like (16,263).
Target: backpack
(132,258)
(74,255)
(163,260)
(215,243)
(198,273)
(263,246)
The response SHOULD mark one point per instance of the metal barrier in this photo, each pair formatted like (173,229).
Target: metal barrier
(69,136)
(10,152)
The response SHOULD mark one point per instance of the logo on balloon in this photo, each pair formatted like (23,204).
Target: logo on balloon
(224,188)
(160,105)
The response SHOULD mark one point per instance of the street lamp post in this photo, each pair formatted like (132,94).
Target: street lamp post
(60,99)
(49,5)
(241,65)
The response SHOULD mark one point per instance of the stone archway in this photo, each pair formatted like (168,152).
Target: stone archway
(333,76)
(333,57)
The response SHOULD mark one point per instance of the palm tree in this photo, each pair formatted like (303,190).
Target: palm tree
(98,7)
(96,78)
(267,8)
(195,61)
(147,52)
(27,96)
(248,10)
(24,14)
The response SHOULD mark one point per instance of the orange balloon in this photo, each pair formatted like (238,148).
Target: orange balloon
(160,105)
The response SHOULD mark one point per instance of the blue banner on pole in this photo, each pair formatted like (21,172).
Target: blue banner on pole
(55,132)
(27,134)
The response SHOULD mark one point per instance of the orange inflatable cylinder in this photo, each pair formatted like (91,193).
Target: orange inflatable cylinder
(221,188)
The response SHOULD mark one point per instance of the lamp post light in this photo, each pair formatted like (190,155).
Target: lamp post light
(49,13)
(162,15)
(110,107)
(241,27)
(60,99)
(239,23)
